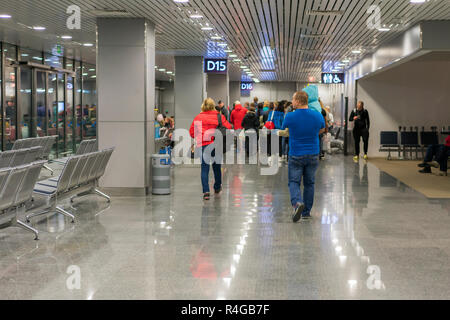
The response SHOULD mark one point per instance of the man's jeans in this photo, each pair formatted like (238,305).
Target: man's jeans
(303,167)
(441,153)
(217,168)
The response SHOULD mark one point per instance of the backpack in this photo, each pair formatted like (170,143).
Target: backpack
(223,131)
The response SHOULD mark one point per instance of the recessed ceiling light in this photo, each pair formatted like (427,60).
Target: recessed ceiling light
(162,70)
(5,16)
(346,61)
(181,1)
(244,67)
(88,44)
(196,16)
(91,69)
(66,37)
(169,72)
(228,51)
(207,28)
(237,60)
(216,38)
(24,54)
(222,44)
(417,1)
(256,80)
(233,55)
(384,29)
(38,28)
(356,51)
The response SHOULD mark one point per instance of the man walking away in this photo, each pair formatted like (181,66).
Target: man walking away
(305,126)
(361,129)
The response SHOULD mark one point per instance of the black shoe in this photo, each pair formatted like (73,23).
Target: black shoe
(218,191)
(206,196)
(423,165)
(425,170)
(306,217)
(298,209)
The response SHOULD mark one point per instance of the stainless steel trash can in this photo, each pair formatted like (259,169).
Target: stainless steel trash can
(161,174)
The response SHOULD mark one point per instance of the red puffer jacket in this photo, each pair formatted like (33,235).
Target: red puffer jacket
(204,125)
(237,115)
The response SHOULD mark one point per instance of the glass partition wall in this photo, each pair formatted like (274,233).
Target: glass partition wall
(44,94)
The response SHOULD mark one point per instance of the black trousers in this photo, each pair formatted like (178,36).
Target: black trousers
(358,134)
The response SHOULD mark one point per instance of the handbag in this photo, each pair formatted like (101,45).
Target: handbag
(269,124)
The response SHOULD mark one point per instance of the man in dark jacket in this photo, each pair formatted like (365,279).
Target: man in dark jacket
(250,122)
(223,110)
(360,117)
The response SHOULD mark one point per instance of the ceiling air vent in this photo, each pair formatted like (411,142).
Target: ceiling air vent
(110,13)
(325,13)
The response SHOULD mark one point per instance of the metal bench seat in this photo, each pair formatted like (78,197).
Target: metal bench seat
(16,185)
(79,177)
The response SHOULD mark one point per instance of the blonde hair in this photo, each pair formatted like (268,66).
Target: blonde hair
(208,105)
(266,104)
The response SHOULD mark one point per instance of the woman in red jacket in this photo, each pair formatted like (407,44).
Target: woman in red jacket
(202,130)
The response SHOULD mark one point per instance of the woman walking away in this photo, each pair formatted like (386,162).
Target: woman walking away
(202,130)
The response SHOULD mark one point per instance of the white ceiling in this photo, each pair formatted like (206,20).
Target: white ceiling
(279,36)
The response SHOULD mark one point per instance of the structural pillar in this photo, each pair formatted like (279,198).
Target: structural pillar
(190,90)
(217,87)
(126,98)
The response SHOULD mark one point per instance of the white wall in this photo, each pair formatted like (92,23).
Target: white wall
(271,91)
(413,94)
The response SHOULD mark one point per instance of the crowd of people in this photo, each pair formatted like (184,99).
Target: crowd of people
(300,125)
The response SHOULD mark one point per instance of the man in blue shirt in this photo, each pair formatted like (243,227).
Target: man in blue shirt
(304,126)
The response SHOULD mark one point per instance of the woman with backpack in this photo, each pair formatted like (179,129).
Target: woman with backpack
(203,130)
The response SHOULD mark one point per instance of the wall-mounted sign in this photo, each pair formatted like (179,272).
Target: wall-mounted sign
(333,78)
(216,65)
(246,89)
(246,86)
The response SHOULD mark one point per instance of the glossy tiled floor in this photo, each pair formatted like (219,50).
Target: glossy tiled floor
(242,245)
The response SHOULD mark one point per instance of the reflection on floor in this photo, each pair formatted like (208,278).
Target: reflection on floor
(372,237)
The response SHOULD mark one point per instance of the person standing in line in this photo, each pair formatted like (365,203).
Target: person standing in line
(305,126)
(250,122)
(330,118)
(202,130)
(323,135)
(237,115)
(360,117)
(223,110)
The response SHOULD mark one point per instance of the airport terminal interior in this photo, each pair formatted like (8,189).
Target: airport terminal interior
(102,189)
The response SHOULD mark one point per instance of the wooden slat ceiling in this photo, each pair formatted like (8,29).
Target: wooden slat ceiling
(278,40)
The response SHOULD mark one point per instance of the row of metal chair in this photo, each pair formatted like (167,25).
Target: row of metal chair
(46,144)
(408,144)
(79,177)
(15,158)
(85,147)
(16,192)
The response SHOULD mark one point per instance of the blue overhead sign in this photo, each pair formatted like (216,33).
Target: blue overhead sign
(333,78)
(216,65)
(246,86)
